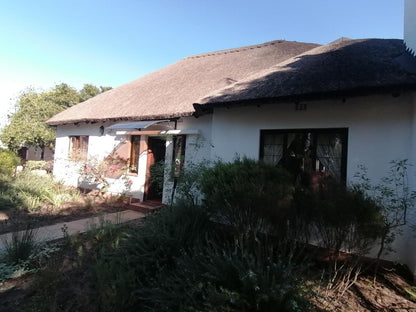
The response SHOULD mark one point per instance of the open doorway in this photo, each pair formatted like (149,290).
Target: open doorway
(156,149)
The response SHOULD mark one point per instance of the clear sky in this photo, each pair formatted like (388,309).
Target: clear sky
(108,43)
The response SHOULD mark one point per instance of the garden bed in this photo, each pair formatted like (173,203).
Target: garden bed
(89,204)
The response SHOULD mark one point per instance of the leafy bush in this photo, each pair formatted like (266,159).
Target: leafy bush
(235,275)
(188,183)
(157,177)
(179,261)
(8,162)
(36,165)
(246,194)
(28,190)
(8,195)
(340,218)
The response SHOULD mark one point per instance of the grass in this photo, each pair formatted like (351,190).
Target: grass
(29,191)
(20,247)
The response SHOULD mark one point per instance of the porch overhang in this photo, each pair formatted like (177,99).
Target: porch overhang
(138,125)
(163,132)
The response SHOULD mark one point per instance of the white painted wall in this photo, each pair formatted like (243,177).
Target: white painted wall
(197,150)
(380,129)
(99,146)
(410,24)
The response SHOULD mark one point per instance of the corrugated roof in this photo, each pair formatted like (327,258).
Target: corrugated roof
(171,91)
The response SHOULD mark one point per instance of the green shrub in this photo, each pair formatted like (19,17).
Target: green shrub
(341,218)
(235,275)
(247,194)
(8,196)
(8,162)
(35,164)
(179,261)
(147,251)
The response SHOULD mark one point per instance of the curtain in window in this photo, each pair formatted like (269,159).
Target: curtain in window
(329,153)
(273,148)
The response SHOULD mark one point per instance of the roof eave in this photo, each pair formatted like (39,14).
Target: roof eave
(118,119)
(395,90)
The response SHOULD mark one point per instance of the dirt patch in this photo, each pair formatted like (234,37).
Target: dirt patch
(386,293)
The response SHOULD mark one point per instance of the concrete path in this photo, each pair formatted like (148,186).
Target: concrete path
(55,231)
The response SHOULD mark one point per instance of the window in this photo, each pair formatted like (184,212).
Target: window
(305,152)
(78,147)
(134,153)
(178,160)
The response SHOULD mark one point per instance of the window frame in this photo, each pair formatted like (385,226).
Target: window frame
(343,132)
(78,151)
(135,140)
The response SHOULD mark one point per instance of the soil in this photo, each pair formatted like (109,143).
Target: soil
(90,204)
(386,293)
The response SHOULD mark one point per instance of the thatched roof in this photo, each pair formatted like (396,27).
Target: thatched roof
(269,72)
(171,91)
(345,67)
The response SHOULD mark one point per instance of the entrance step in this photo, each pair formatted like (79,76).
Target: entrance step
(146,206)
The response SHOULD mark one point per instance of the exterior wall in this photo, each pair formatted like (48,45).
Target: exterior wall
(380,129)
(197,149)
(100,145)
(371,122)
(410,24)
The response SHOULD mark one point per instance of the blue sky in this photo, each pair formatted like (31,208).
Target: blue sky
(109,43)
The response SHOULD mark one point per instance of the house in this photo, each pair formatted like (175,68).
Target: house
(347,103)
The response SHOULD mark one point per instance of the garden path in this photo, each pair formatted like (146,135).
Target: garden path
(56,231)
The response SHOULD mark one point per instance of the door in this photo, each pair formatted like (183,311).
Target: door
(155,169)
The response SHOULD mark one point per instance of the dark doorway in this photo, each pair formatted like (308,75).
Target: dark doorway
(156,149)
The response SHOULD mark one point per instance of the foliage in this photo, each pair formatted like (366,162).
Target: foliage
(187,185)
(28,190)
(20,247)
(180,260)
(115,164)
(67,286)
(8,196)
(27,125)
(96,172)
(157,177)
(23,254)
(193,267)
(241,191)
(340,218)
(393,195)
(35,164)
(8,162)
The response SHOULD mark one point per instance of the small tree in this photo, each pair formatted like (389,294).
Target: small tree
(8,162)
(394,197)
(27,125)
